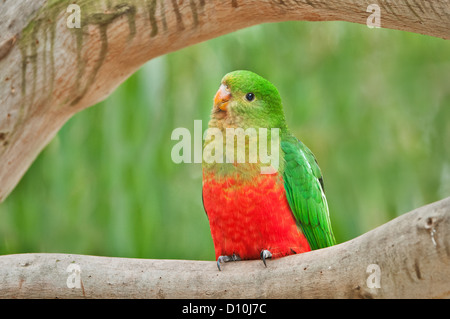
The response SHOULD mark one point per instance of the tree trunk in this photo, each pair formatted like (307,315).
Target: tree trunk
(408,257)
(49,69)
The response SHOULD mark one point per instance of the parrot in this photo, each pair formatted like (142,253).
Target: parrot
(253,215)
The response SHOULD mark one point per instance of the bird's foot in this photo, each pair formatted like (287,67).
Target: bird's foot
(224,259)
(264,255)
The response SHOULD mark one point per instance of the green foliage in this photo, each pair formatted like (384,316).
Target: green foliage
(373,105)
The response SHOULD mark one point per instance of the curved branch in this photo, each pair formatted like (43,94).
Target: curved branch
(408,257)
(49,71)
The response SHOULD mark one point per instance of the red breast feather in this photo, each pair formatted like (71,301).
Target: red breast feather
(248,216)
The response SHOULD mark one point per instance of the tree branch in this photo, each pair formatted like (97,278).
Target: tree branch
(411,255)
(49,71)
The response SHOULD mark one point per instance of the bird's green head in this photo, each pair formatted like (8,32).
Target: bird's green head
(245,99)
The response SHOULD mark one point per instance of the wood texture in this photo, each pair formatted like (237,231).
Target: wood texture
(48,71)
(411,253)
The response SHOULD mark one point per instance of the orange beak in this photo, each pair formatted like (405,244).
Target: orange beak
(222,97)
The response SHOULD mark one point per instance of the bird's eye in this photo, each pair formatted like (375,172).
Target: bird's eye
(250,97)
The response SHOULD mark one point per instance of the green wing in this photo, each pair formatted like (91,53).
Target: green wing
(305,193)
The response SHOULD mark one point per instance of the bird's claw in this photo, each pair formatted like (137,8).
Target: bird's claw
(264,255)
(224,259)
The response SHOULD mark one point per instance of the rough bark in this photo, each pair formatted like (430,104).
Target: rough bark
(410,255)
(48,71)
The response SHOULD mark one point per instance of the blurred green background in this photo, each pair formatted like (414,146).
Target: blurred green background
(372,104)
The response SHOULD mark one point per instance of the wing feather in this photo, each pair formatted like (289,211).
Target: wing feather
(304,190)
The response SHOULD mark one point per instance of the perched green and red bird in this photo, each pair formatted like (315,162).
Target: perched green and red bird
(254,215)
